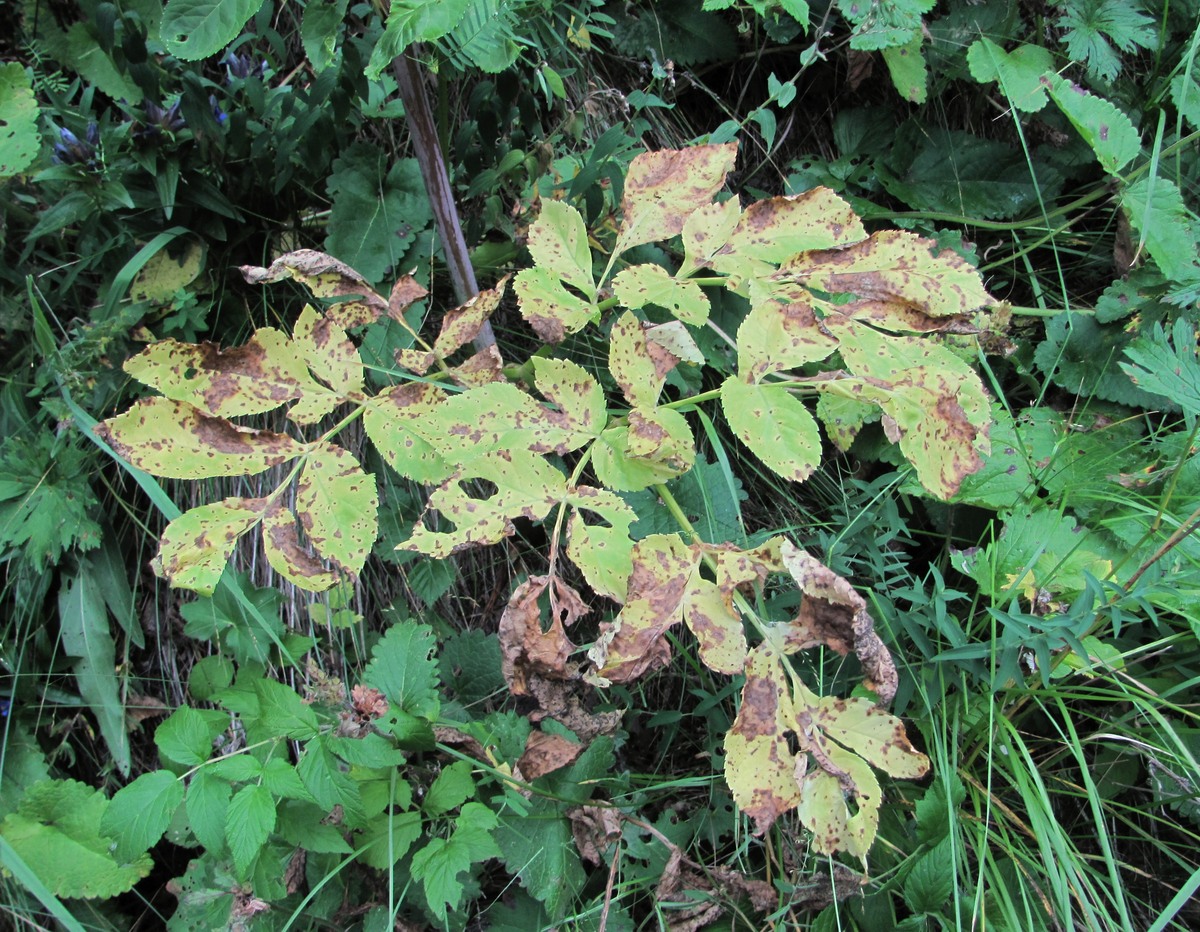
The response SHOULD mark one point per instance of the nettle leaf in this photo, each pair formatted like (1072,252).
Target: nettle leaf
(526,486)
(640,285)
(1018,72)
(897,267)
(197,545)
(663,188)
(558,242)
(175,440)
(1106,129)
(327,277)
(776,426)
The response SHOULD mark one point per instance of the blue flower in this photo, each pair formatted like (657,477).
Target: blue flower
(218,114)
(243,66)
(71,150)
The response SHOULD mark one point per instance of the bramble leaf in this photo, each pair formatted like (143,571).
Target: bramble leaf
(139,813)
(249,822)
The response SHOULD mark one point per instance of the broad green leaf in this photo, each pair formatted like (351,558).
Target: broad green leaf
(1007,474)
(558,243)
(762,773)
(280,779)
(907,67)
(337,504)
(410,21)
(398,422)
(897,267)
(473,830)
(581,409)
(176,441)
(195,29)
(871,733)
(249,822)
(56,832)
(87,637)
(300,825)
(207,806)
(639,285)
(539,851)
(237,768)
(24,764)
(1156,209)
(663,188)
(139,813)
(319,31)
(386,839)
(452,787)
(1106,129)
(549,308)
(187,736)
(283,713)
(1185,94)
(603,552)
(19,141)
(1018,72)
(775,337)
(329,355)
(258,376)
(526,486)
(196,546)
(776,427)
(931,880)
(327,277)
(329,785)
(1172,372)
(403,669)
(437,866)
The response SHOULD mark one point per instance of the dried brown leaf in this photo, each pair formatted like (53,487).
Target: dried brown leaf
(545,753)
(527,650)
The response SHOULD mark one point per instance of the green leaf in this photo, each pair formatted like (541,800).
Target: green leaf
(1156,209)
(139,813)
(403,669)
(207,806)
(249,822)
(484,35)
(86,636)
(24,764)
(640,285)
(1106,129)
(907,67)
(453,786)
(437,866)
(1018,72)
(56,832)
(195,548)
(1172,372)
(931,880)
(410,21)
(776,427)
(19,141)
(1092,27)
(319,31)
(539,850)
(300,825)
(387,839)
(186,737)
(195,29)
(175,440)
(280,779)
(379,206)
(329,785)
(282,713)
(883,25)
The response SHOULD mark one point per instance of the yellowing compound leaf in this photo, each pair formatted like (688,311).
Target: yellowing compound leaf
(706,230)
(873,734)
(843,416)
(332,358)
(935,405)
(196,546)
(485,366)
(406,292)
(775,337)
(526,651)
(398,421)
(893,266)
(558,242)
(336,503)
(172,439)
(762,772)
(549,308)
(823,810)
(639,368)
(499,416)
(603,552)
(164,274)
(325,277)
(288,555)
(526,486)
(664,436)
(459,327)
(776,427)
(639,285)
(259,376)
(773,230)
(673,339)
(581,412)
(663,188)
(717,626)
(834,615)
(663,567)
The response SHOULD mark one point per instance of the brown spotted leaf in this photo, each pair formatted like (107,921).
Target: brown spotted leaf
(776,426)
(545,753)
(398,422)
(485,366)
(558,242)
(337,506)
(716,625)
(762,772)
(259,376)
(603,552)
(172,439)
(637,370)
(824,812)
(528,652)
(894,266)
(196,546)
(834,615)
(634,642)
(288,555)
(671,341)
(526,486)
(460,326)
(405,293)
(667,445)
(873,734)
(580,412)
(663,188)
(325,277)
(330,356)
(640,285)
(500,416)
(706,230)
(549,308)
(775,337)
(844,415)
